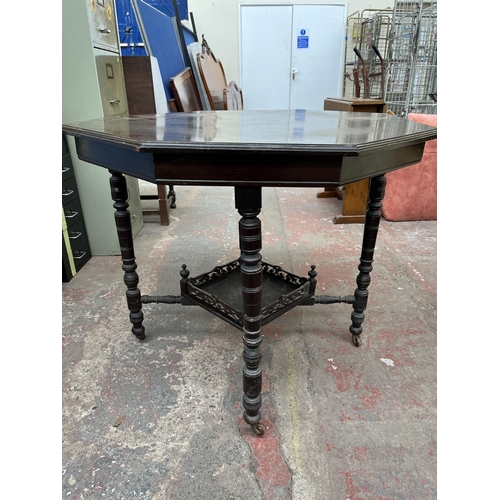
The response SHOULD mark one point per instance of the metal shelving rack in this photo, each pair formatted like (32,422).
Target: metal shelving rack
(411,84)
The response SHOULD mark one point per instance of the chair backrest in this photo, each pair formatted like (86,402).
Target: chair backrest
(233,97)
(185,91)
(212,75)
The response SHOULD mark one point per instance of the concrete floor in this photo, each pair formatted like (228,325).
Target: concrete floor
(161,418)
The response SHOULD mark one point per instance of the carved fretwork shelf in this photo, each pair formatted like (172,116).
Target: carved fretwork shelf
(219,292)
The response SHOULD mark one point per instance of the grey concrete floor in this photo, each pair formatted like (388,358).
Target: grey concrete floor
(161,418)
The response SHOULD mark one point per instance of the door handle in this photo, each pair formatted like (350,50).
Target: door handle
(294,72)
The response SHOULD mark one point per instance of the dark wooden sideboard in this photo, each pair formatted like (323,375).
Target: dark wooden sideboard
(250,150)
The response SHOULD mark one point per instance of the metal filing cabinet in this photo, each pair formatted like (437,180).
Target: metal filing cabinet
(111,82)
(93,86)
(76,249)
(103,28)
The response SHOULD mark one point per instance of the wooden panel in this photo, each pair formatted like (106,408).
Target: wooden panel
(139,85)
(185,91)
(355,198)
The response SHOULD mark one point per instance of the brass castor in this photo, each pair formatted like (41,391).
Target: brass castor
(356,340)
(259,429)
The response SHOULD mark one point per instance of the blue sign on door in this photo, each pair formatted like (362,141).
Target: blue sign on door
(303,39)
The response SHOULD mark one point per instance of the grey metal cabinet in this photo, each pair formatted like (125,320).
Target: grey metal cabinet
(103,28)
(111,83)
(93,86)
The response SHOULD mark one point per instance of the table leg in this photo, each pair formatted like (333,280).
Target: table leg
(372,221)
(248,201)
(162,205)
(123,222)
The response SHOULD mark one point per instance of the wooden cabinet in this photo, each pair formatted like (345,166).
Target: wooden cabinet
(76,248)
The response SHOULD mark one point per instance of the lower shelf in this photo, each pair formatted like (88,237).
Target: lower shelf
(219,291)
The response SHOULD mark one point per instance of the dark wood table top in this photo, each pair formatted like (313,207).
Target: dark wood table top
(269,148)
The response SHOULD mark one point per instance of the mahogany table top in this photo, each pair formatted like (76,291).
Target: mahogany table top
(270,148)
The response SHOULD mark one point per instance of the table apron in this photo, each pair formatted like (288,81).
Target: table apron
(223,168)
(380,162)
(210,168)
(116,158)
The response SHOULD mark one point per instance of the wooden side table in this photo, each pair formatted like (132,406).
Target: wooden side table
(354,195)
(212,148)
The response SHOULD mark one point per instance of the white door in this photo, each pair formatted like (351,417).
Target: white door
(291,55)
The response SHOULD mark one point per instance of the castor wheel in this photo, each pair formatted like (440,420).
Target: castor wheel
(356,340)
(259,429)
(171,194)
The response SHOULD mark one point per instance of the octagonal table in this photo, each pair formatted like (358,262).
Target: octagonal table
(250,150)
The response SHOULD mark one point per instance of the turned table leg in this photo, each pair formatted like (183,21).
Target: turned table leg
(123,222)
(248,201)
(372,221)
